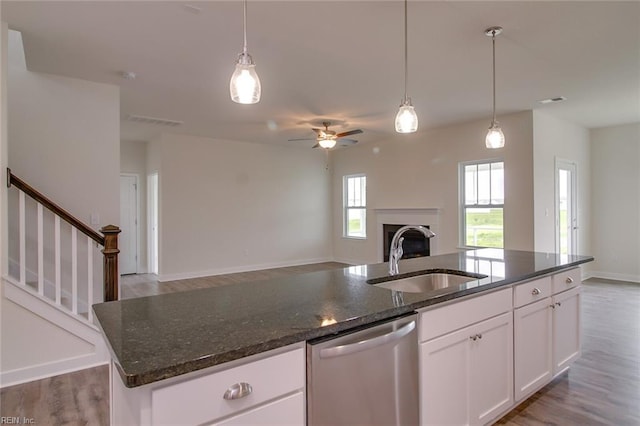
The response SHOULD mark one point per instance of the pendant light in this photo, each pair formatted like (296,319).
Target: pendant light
(495,137)
(245,84)
(406,119)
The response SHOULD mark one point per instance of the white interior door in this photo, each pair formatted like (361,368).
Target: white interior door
(128,238)
(566,207)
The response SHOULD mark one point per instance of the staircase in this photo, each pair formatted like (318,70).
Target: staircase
(58,268)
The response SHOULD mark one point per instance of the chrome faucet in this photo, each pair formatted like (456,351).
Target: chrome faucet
(395,251)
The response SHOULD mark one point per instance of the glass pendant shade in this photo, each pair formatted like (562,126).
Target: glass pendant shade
(245,84)
(406,119)
(495,137)
(327,143)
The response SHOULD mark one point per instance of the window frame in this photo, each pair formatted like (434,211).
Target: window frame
(346,208)
(462,206)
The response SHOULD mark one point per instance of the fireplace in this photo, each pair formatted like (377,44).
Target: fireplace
(415,244)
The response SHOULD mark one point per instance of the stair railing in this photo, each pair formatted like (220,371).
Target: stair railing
(107,238)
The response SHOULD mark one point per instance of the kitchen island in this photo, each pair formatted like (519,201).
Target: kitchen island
(180,335)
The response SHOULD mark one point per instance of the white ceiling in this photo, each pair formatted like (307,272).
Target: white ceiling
(340,60)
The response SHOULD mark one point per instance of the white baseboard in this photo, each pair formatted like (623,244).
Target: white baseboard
(613,276)
(51,369)
(236,269)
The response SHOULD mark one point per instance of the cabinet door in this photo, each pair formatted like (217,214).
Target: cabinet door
(444,379)
(491,372)
(532,347)
(566,329)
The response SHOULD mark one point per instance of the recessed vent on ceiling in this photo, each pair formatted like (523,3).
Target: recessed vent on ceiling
(553,100)
(153,120)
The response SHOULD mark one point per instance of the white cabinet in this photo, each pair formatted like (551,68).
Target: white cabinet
(532,345)
(566,329)
(546,330)
(273,389)
(466,374)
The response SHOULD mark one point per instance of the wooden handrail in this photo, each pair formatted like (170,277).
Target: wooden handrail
(36,195)
(108,240)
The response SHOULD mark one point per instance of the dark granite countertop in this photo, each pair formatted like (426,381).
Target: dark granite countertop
(157,337)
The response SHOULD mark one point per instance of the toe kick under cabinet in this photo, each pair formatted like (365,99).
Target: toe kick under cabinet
(267,389)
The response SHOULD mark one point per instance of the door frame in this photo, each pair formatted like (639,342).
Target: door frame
(572,166)
(153,243)
(136,176)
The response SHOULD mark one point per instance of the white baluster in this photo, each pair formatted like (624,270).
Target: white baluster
(40,250)
(74,270)
(57,251)
(90,277)
(23,243)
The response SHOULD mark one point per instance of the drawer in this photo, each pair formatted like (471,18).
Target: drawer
(443,320)
(567,279)
(530,292)
(200,400)
(285,411)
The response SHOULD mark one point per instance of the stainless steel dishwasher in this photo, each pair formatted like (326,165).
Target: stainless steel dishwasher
(366,377)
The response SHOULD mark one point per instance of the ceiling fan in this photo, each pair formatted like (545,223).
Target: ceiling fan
(327,139)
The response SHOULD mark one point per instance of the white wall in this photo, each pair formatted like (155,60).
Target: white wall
(133,160)
(232,206)
(615,154)
(554,138)
(421,171)
(63,139)
(67,129)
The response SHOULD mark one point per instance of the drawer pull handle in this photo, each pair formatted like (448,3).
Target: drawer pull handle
(558,304)
(552,306)
(475,337)
(535,291)
(237,391)
(569,280)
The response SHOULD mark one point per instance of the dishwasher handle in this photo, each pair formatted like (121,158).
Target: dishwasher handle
(363,345)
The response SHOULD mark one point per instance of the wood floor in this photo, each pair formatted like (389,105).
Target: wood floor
(602,388)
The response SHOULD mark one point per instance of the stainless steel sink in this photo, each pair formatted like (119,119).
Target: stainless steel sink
(426,282)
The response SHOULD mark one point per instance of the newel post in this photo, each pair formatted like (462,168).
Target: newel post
(110,269)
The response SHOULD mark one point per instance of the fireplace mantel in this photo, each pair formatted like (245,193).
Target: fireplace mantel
(407,216)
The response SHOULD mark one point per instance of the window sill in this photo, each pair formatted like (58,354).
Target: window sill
(346,237)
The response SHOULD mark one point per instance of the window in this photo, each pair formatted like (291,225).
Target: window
(355,206)
(482,204)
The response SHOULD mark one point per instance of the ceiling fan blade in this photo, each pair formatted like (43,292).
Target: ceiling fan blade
(316,145)
(347,142)
(318,131)
(301,139)
(349,133)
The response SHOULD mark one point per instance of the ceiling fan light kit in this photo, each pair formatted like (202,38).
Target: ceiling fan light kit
(244,86)
(495,136)
(327,143)
(406,119)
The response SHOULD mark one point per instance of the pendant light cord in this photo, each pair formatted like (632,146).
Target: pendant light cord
(244,26)
(406,53)
(493,39)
